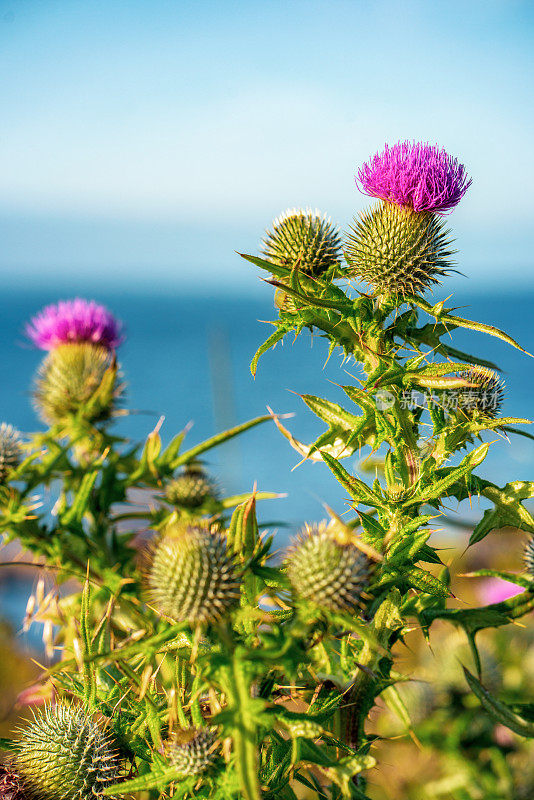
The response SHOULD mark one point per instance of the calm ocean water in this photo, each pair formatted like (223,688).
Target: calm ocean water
(187,358)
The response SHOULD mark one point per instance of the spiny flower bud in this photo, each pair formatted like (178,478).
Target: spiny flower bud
(193,751)
(398,251)
(397,493)
(303,238)
(328,573)
(76,379)
(528,557)
(65,755)
(10,450)
(190,489)
(485,397)
(192,577)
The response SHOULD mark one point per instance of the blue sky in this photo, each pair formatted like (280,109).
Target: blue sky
(144,142)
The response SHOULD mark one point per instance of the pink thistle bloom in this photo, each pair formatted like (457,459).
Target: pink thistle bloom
(414,175)
(496,590)
(74,321)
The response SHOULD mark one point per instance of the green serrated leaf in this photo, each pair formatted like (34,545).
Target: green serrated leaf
(499,710)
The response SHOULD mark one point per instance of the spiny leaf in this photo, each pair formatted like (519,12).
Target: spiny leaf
(499,710)
(358,490)
(272,340)
(215,441)
(442,314)
(508,509)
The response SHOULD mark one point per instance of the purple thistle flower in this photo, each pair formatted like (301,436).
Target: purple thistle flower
(496,590)
(74,321)
(415,175)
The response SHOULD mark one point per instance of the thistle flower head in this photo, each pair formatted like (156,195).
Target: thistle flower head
(193,751)
(414,175)
(304,238)
(65,755)
(74,321)
(75,379)
(485,397)
(328,572)
(398,251)
(191,576)
(190,489)
(10,450)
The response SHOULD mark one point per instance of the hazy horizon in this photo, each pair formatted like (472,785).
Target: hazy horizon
(145,143)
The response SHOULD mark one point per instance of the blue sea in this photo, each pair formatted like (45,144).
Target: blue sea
(187,358)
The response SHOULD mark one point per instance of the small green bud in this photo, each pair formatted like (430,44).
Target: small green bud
(192,577)
(65,755)
(486,397)
(77,379)
(190,489)
(397,493)
(10,450)
(193,751)
(397,250)
(304,238)
(328,572)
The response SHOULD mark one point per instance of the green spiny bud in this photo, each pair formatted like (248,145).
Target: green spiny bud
(77,379)
(303,238)
(397,493)
(397,250)
(193,751)
(65,755)
(485,397)
(190,489)
(328,571)
(192,576)
(10,450)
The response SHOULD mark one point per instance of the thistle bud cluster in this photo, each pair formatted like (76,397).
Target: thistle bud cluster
(399,247)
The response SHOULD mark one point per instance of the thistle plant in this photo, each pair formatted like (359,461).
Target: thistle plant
(225,667)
